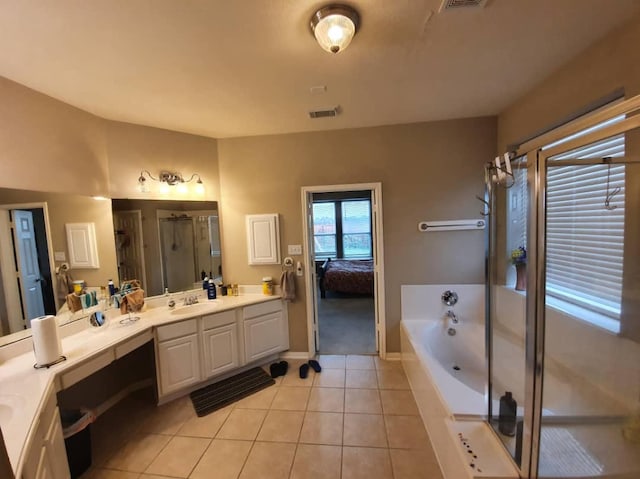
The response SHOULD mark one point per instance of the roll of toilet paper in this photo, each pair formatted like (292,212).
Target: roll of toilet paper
(46,341)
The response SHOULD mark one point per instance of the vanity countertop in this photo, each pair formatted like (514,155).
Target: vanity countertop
(23,389)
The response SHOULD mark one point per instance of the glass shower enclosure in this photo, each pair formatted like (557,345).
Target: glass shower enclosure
(566,348)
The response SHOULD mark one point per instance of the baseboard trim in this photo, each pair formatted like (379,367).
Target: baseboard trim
(295,355)
(394,356)
(120,395)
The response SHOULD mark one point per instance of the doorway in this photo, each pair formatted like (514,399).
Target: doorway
(345,280)
(26,265)
(130,246)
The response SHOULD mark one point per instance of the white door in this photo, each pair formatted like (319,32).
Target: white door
(129,245)
(314,275)
(28,266)
(376,266)
(179,363)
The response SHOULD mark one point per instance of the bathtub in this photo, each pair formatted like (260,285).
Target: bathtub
(447,375)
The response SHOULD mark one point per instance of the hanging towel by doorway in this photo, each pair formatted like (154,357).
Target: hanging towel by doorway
(288,285)
(65,283)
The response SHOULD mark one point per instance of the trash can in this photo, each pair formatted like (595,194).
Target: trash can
(76,429)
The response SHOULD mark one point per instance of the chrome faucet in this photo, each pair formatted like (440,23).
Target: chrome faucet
(452,316)
(189,300)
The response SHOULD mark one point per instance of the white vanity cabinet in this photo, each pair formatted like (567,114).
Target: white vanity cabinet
(47,456)
(194,351)
(178,356)
(266,329)
(220,343)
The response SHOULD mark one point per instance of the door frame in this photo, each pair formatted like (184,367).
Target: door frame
(378,259)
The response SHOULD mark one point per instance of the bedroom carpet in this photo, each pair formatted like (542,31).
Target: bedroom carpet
(346,325)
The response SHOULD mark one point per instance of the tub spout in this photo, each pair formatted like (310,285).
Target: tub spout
(452,316)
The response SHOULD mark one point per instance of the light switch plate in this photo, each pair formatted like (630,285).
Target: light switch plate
(294,249)
(59,256)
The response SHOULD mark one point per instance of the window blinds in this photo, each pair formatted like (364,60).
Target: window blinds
(585,239)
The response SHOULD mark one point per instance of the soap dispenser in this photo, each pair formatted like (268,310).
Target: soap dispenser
(507,415)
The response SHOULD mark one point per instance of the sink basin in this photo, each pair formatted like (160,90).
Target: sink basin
(194,309)
(6,413)
(9,406)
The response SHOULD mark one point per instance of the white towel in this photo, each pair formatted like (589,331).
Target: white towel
(288,285)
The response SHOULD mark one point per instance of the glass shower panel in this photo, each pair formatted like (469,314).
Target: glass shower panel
(508,308)
(178,255)
(591,392)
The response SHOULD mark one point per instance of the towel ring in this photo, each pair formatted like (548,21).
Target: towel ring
(288,262)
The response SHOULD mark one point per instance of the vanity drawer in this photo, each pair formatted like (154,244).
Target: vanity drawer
(261,309)
(134,343)
(219,319)
(177,330)
(87,368)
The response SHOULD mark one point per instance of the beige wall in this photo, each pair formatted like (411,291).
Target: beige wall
(132,148)
(428,171)
(48,145)
(610,64)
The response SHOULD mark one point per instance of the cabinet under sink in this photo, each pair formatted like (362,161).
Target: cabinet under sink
(194,351)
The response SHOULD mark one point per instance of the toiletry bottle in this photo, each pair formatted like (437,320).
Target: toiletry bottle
(112,287)
(211,290)
(205,283)
(507,415)
(267,285)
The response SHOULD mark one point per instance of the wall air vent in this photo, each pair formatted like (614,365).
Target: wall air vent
(458,4)
(329,112)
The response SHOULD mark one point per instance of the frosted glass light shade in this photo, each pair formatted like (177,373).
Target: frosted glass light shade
(334,27)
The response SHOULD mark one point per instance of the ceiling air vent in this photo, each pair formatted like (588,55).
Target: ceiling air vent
(324,113)
(458,4)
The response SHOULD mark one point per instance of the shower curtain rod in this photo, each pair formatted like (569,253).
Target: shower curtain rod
(619,160)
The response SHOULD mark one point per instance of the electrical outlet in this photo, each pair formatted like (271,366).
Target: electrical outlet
(59,256)
(294,249)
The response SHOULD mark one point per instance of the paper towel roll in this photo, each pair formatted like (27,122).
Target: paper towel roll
(46,341)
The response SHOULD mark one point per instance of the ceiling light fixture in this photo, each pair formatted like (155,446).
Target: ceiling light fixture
(334,26)
(169,179)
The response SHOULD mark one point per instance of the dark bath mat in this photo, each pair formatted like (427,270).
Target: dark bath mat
(223,393)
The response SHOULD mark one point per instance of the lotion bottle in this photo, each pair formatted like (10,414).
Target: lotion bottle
(211,290)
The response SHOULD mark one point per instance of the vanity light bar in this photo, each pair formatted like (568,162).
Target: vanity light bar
(450,225)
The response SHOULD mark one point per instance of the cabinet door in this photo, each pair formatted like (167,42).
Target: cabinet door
(56,452)
(263,239)
(265,335)
(220,349)
(179,363)
(44,466)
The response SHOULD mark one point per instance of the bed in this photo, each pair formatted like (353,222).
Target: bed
(346,276)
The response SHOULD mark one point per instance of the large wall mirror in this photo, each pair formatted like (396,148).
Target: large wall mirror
(33,243)
(167,245)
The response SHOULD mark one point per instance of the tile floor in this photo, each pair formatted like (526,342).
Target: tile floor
(355,419)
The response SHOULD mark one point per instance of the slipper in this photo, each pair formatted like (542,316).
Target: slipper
(304,371)
(284,367)
(315,365)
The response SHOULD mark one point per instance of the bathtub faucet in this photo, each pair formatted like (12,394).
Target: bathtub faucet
(452,316)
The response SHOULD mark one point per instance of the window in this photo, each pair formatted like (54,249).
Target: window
(324,229)
(342,229)
(585,240)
